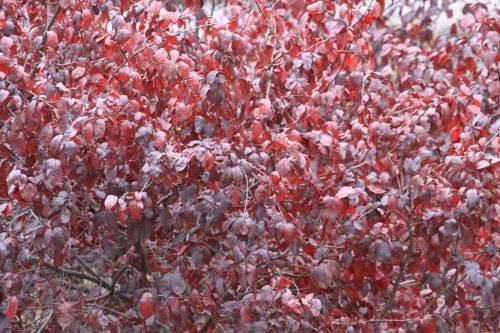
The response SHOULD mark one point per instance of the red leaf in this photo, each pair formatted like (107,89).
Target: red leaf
(78,73)
(242,89)
(274,177)
(350,210)
(455,134)
(51,39)
(483,164)
(147,305)
(289,233)
(6,208)
(5,63)
(88,133)
(181,249)
(294,305)
(260,194)
(345,192)
(284,282)
(110,201)
(12,308)
(123,75)
(323,275)
(183,70)
(283,167)
(264,107)
(135,209)
(473,109)
(325,140)
(52,172)
(351,61)
(257,130)
(64,315)
(99,128)
(377,9)
(154,9)
(315,307)
(127,129)
(316,8)
(245,315)
(208,161)
(178,284)
(122,35)
(377,189)
(429,325)
(161,55)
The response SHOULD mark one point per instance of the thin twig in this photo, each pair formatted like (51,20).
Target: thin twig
(402,269)
(442,291)
(246,192)
(41,328)
(105,308)
(36,320)
(44,39)
(362,20)
(310,48)
(492,138)
(431,304)
(13,153)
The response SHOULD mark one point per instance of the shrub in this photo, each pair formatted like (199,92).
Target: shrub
(300,166)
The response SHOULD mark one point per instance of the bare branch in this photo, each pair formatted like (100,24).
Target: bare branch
(42,327)
(82,275)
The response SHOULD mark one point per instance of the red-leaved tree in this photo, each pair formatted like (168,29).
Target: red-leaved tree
(270,166)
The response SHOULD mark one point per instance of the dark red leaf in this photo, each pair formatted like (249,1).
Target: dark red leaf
(12,307)
(147,305)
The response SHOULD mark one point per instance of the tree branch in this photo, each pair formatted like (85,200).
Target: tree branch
(402,269)
(82,275)
(441,292)
(86,267)
(431,304)
(115,280)
(76,274)
(105,308)
(206,326)
(13,153)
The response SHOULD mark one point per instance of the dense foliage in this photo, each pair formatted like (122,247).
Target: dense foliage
(300,165)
